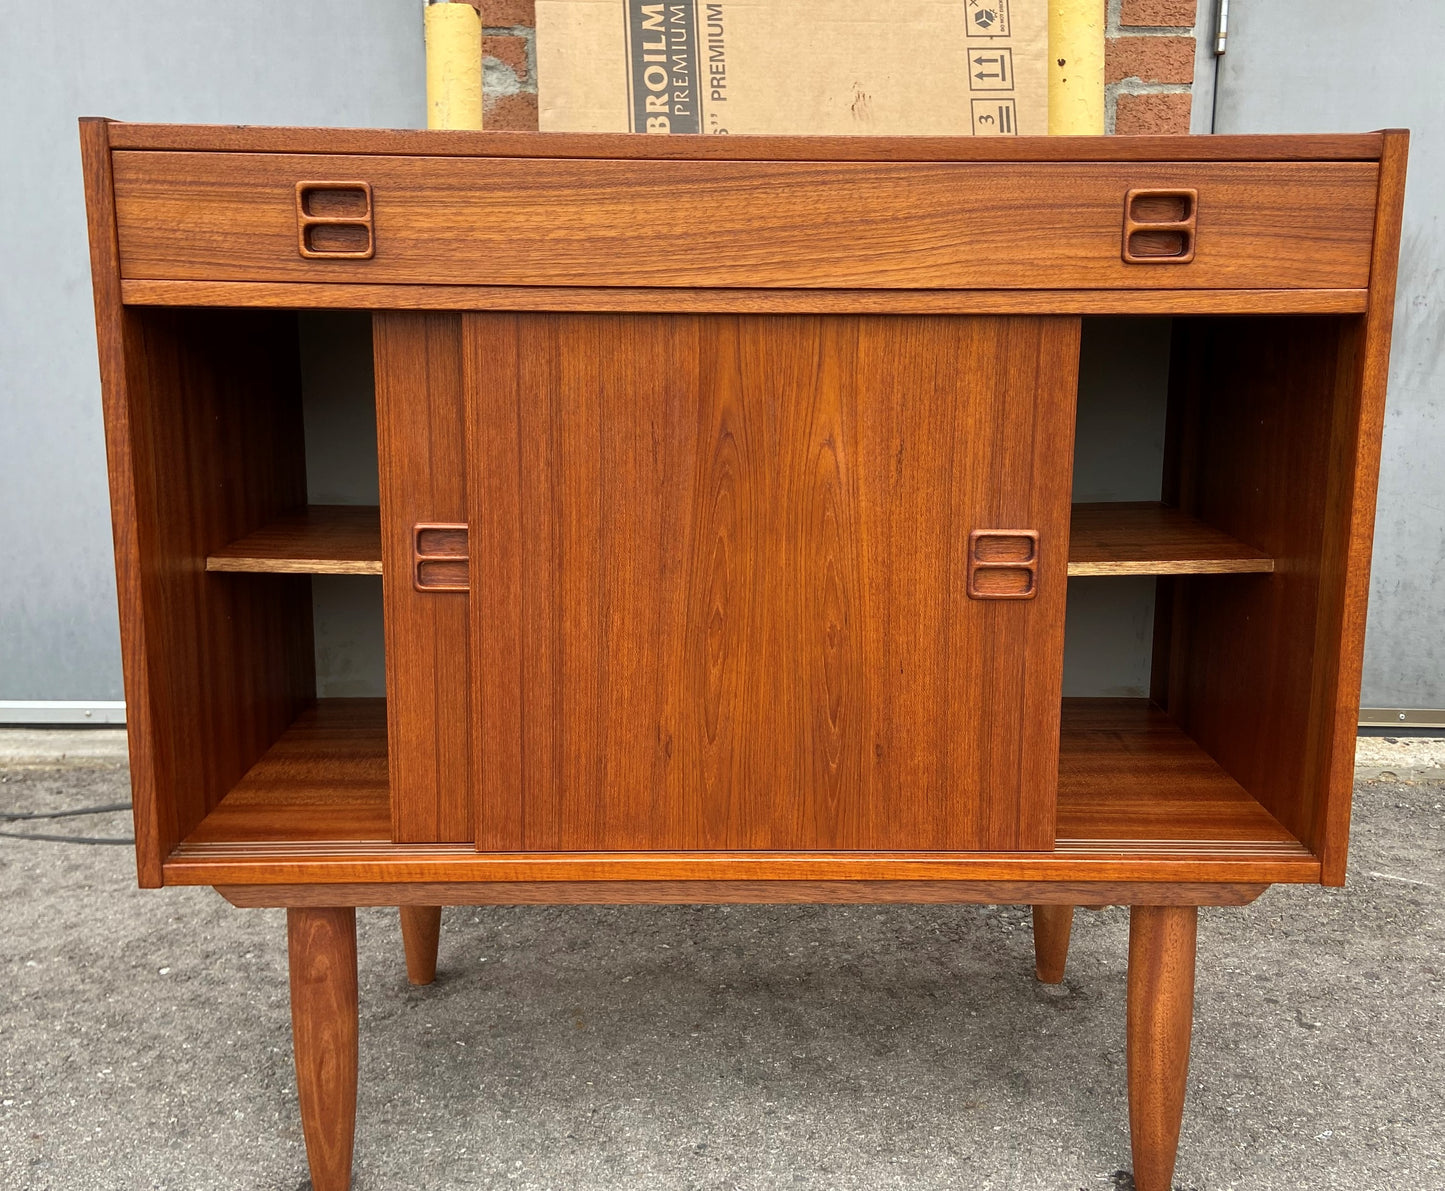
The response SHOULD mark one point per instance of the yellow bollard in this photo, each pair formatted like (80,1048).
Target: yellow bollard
(453,66)
(1076,67)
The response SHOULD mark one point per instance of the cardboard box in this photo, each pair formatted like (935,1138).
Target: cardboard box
(955,67)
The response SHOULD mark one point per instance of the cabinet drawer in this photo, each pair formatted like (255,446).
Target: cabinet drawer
(865,225)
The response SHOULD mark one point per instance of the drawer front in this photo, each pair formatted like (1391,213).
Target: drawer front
(847,225)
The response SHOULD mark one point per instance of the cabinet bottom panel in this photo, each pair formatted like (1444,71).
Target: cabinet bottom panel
(1138,800)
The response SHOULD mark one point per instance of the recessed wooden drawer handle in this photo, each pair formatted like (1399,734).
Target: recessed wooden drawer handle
(333,220)
(1003,564)
(1159,226)
(439,556)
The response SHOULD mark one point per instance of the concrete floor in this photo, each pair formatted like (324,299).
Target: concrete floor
(145,1040)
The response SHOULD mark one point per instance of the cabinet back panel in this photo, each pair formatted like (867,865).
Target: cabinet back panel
(1118,455)
(338,399)
(718,572)
(346,611)
(338,395)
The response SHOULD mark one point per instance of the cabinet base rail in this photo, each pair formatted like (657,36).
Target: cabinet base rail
(769,892)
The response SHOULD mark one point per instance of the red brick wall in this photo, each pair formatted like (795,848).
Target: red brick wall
(1148,65)
(509,64)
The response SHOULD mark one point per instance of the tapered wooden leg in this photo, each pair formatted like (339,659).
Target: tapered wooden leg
(1161,1015)
(421,931)
(322,945)
(1052,925)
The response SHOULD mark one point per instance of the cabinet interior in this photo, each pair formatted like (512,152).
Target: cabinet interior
(1197,546)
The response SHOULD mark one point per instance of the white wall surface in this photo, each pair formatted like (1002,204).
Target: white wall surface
(309,62)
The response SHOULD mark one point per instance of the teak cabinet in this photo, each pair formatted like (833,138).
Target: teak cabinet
(725,522)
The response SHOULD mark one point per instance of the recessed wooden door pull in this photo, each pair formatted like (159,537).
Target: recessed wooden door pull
(333,220)
(1159,226)
(1003,564)
(439,556)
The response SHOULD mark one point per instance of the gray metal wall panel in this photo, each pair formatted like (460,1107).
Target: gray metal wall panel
(323,62)
(1339,66)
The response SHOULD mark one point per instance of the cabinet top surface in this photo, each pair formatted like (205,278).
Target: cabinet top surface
(246,139)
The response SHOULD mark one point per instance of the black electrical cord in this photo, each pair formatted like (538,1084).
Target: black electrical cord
(16,816)
(65,839)
(23,816)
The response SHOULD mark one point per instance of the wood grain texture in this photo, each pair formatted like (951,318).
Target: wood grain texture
(826,224)
(203,439)
(421,438)
(402,865)
(1313,810)
(1263,447)
(1149,538)
(233,138)
(155,829)
(324,1027)
(1053,923)
(1160,1018)
(1050,894)
(421,929)
(1138,801)
(1356,435)
(638,300)
(1127,773)
(317,540)
(710,606)
(716,649)
(325,778)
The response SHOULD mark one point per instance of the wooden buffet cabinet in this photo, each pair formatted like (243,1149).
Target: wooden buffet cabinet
(725,531)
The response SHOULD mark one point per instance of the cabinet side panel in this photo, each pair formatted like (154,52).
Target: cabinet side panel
(1255,660)
(155,826)
(421,439)
(1357,433)
(204,445)
(725,562)
(1277,424)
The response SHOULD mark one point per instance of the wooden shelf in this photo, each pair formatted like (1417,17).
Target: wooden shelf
(1121,538)
(1138,800)
(1149,538)
(317,540)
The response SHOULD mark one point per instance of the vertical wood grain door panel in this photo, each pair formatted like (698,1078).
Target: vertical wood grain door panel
(718,580)
(421,440)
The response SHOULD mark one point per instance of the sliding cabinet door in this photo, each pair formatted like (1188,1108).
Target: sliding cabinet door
(766,582)
(421,441)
